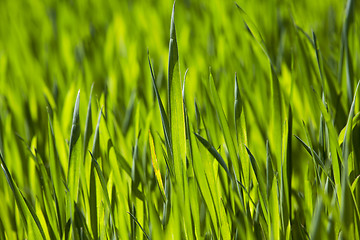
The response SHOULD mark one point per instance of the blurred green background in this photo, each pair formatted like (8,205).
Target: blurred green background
(50,49)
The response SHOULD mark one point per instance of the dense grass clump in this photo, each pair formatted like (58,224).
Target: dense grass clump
(242,121)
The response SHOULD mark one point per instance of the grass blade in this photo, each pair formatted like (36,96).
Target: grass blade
(25,209)
(164,118)
(226,130)
(176,106)
(137,222)
(74,167)
(346,208)
(259,176)
(156,166)
(102,180)
(214,153)
(241,135)
(88,124)
(93,201)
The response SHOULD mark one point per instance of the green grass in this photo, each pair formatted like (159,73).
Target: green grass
(187,120)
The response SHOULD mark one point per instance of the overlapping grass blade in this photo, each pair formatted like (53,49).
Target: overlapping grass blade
(156,166)
(226,131)
(334,147)
(93,190)
(214,153)
(27,214)
(346,207)
(164,118)
(258,175)
(102,181)
(56,176)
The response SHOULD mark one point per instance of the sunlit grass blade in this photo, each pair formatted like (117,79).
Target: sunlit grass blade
(176,107)
(27,214)
(156,166)
(241,135)
(93,201)
(74,166)
(48,192)
(200,177)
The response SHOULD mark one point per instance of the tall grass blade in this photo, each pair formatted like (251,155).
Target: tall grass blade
(241,135)
(176,107)
(93,198)
(75,156)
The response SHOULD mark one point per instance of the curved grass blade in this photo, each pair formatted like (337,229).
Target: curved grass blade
(253,29)
(164,119)
(137,222)
(313,154)
(156,166)
(355,122)
(25,209)
(214,153)
(259,176)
